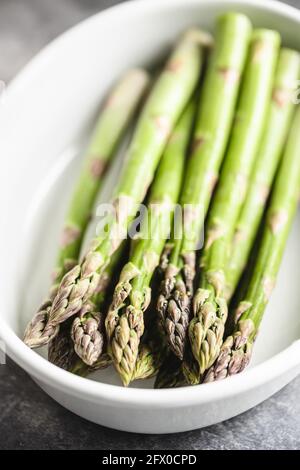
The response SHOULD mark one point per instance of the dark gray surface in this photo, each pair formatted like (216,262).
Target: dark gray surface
(29,419)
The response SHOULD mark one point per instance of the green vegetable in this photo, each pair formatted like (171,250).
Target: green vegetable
(206,329)
(116,115)
(165,103)
(236,350)
(125,318)
(216,110)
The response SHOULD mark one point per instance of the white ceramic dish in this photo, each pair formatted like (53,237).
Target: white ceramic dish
(46,108)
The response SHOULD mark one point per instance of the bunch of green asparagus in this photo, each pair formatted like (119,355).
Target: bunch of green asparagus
(214,149)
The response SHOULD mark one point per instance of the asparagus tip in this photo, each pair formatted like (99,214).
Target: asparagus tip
(235,354)
(88,340)
(38,332)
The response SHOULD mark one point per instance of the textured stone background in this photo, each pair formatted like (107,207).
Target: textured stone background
(29,419)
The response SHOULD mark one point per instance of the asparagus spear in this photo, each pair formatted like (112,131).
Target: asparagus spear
(88,328)
(206,329)
(87,331)
(236,350)
(116,115)
(125,319)
(163,107)
(216,111)
(266,163)
(120,106)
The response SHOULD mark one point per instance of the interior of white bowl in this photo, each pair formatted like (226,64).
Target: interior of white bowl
(43,124)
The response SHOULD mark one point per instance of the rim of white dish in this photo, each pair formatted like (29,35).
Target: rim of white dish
(49,374)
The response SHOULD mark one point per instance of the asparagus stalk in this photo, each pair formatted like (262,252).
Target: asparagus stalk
(116,115)
(216,109)
(125,319)
(163,107)
(206,329)
(120,106)
(236,350)
(88,328)
(266,163)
